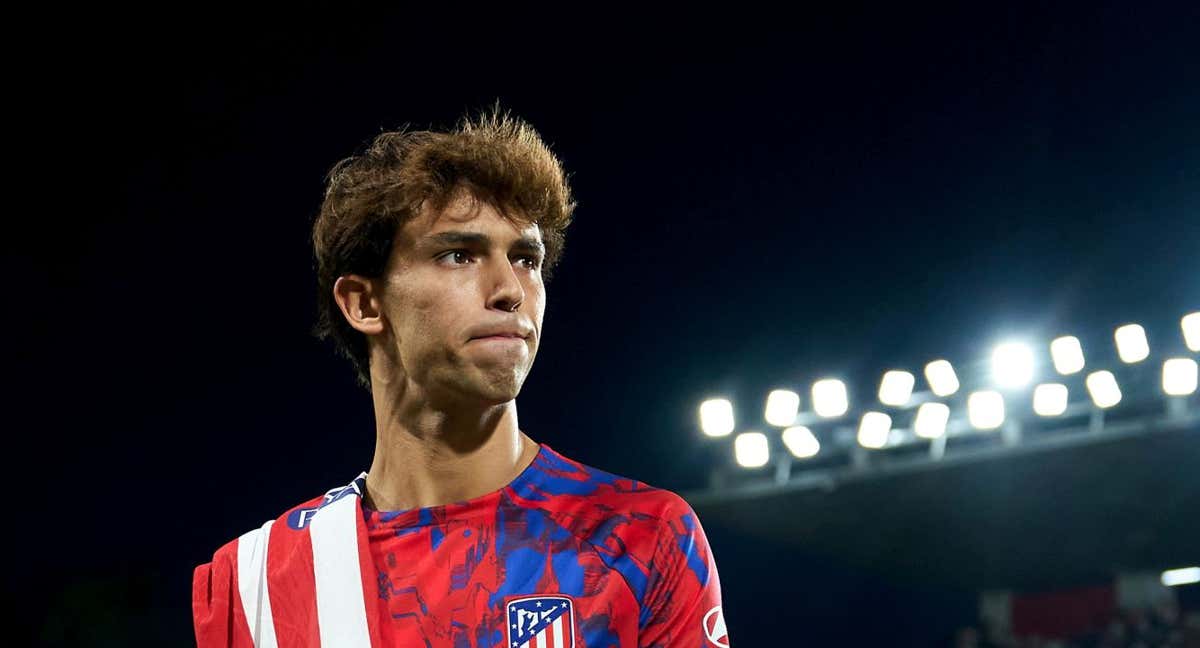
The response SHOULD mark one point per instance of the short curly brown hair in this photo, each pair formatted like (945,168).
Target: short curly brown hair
(500,158)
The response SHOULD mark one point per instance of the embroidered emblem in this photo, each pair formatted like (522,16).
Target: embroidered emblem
(541,622)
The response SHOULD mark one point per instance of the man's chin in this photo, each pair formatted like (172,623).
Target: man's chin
(487,393)
(499,394)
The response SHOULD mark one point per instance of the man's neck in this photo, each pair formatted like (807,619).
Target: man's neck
(428,458)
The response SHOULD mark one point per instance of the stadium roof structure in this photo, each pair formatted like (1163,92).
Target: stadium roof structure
(1037,515)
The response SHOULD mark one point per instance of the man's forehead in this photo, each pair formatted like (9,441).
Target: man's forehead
(464,215)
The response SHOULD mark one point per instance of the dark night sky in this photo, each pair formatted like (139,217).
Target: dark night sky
(762,200)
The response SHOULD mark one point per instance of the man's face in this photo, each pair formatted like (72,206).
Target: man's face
(453,278)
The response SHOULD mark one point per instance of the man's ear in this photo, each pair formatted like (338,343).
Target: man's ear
(357,297)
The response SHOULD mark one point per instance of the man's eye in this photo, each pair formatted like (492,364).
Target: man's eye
(454,254)
(533,262)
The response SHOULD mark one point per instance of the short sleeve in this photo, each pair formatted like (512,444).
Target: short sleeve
(682,605)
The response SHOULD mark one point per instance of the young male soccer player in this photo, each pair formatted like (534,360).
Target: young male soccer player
(433,250)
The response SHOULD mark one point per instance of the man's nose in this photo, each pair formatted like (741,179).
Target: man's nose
(507,291)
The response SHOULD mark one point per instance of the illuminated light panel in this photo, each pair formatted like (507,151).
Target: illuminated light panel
(1179,377)
(941,378)
(801,442)
(985,410)
(1050,399)
(1131,343)
(1181,576)
(931,420)
(1191,330)
(1012,365)
(829,398)
(896,388)
(1102,386)
(782,406)
(751,449)
(874,429)
(716,417)
(1067,354)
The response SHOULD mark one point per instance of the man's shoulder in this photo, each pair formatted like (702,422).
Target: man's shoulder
(294,520)
(605,502)
(638,530)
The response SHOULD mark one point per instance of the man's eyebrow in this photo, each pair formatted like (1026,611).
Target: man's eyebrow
(526,243)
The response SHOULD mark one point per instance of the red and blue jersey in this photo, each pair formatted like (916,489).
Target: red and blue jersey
(564,556)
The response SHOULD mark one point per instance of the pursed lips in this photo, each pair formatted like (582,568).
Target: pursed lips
(500,337)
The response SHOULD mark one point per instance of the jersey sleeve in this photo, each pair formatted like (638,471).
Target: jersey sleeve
(682,605)
(216,605)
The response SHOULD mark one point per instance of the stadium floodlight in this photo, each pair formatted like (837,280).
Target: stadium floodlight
(931,420)
(1191,330)
(874,429)
(1067,354)
(985,410)
(782,406)
(1012,365)
(829,398)
(716,417)
(801,442)
(1050,399)
(1131,343)
(1181,576)
(896,388)
(941,378)
(1179,377)
(751,449)
(1102,386)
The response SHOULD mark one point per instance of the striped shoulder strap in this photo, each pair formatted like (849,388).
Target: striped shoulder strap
(252,585)
(341,610)
(333,532)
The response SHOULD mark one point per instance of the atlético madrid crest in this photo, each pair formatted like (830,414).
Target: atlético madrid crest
(541,622)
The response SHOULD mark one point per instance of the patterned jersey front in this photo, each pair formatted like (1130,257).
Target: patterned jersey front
(564,556)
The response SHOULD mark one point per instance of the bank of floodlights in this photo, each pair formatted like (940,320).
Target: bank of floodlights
(1014,367)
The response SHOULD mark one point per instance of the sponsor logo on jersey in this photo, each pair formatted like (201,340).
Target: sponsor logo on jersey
(540,622)
(300,518)
(714,628)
